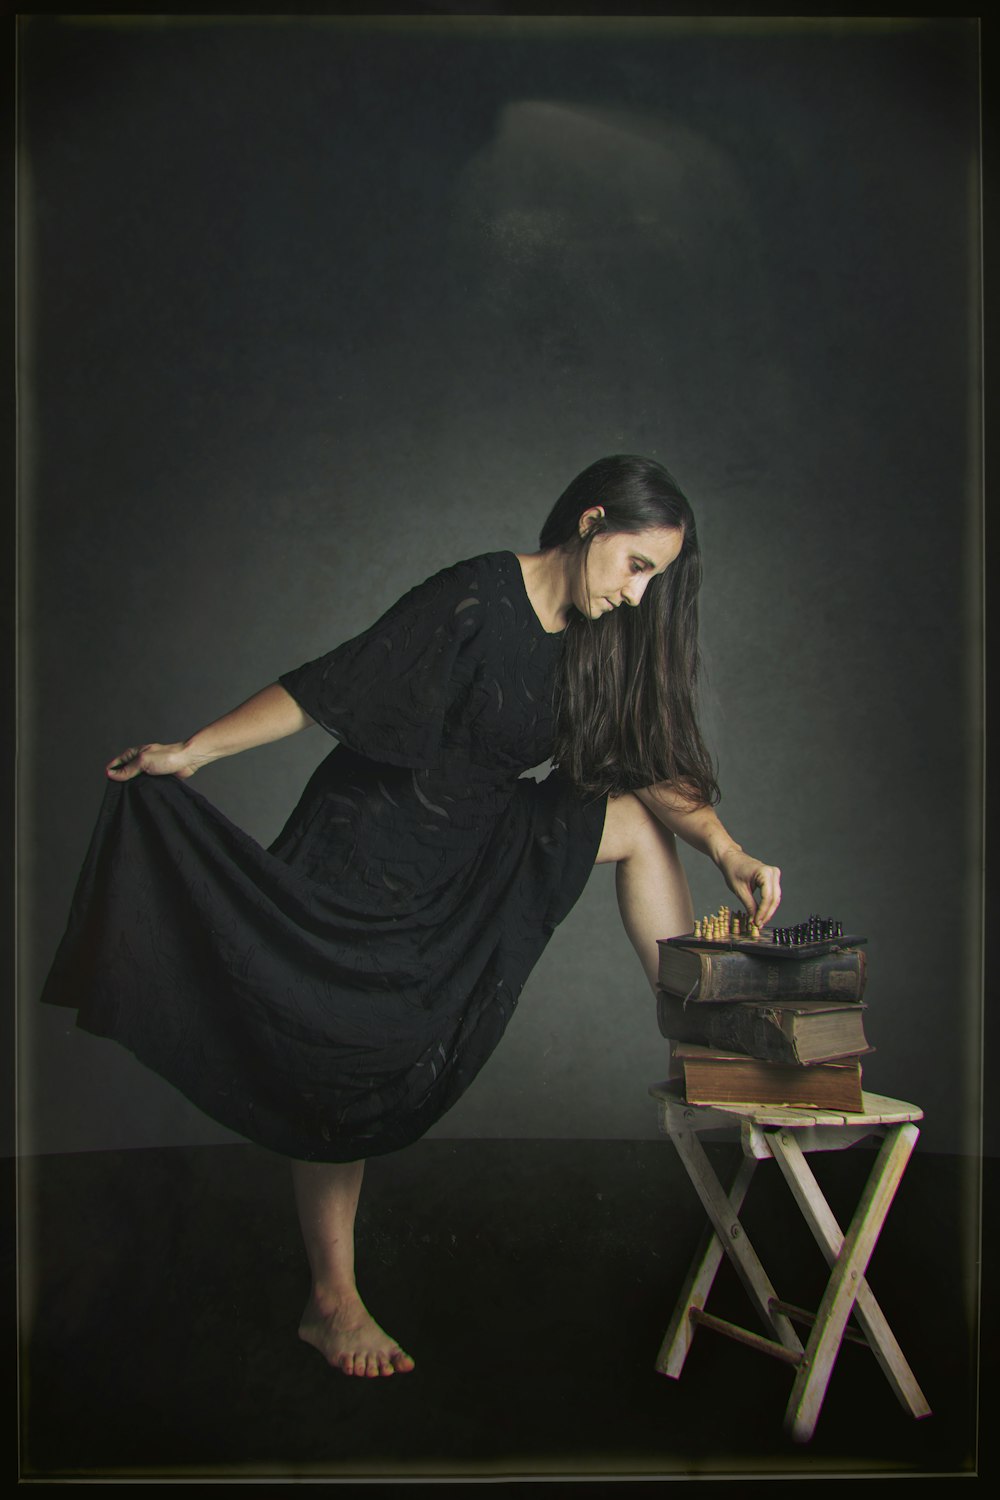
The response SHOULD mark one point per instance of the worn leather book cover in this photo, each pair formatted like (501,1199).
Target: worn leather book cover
(699,974)
(712,1076)
(796,1032)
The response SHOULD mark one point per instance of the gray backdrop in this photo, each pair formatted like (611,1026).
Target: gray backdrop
(312,308)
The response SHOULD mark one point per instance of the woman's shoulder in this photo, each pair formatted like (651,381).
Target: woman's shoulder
(467,593)
(455,591)
(486,574)
(486,565)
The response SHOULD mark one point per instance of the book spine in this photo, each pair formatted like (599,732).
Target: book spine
(757,1032)
(850,1099)
(737,976)
(747,1083)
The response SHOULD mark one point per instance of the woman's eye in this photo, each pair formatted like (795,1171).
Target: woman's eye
(636,567)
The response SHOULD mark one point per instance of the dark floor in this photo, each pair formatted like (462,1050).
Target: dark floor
(532,1280)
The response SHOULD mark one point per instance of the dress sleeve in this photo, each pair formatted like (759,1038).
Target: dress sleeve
(385,693)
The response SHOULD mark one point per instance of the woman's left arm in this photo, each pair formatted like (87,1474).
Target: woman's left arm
(699,826)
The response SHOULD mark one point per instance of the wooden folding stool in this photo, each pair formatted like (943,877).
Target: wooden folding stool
(786,1135)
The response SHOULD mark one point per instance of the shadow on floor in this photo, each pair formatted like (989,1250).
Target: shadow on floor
(532,1281)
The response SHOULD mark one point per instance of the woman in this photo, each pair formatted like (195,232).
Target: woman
(331,997)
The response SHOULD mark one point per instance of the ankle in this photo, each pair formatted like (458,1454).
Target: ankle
(334,1296)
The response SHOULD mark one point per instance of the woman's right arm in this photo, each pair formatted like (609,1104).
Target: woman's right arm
(269,715)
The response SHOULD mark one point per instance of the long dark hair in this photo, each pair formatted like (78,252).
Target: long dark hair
(626,706)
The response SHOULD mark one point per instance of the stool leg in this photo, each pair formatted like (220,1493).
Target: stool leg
(694,1293)
(813,1375)
(733,1237)
(828,1235)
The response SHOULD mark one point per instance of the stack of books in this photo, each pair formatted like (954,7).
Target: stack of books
(750,1027)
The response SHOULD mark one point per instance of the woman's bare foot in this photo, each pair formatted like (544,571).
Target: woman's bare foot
(346,1334)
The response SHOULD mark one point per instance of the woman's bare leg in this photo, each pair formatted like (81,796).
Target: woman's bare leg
(655,902)
(653,894)
(336,1321)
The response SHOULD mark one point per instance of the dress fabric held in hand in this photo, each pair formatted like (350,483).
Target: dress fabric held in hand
(332,996)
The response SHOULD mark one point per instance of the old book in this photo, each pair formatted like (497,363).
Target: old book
(699,974)
(715,1077)
(795,1031)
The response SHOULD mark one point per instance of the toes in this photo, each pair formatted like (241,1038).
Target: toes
(382,1357)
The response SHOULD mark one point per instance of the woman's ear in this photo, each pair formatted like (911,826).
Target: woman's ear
(590,519)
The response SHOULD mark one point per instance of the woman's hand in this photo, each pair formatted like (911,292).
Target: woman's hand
(154,760)
(745,875)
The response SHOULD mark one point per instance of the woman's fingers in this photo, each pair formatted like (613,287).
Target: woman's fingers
(152,760)
(767,884)
(126,765)
(131,762)
(756,884)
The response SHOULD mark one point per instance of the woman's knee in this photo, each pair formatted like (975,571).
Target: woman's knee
(629,829)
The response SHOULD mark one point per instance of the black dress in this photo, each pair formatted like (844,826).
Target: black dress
(331,997)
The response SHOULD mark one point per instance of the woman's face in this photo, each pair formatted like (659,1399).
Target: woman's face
(617,566)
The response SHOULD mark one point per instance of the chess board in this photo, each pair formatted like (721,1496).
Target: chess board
(765,947)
